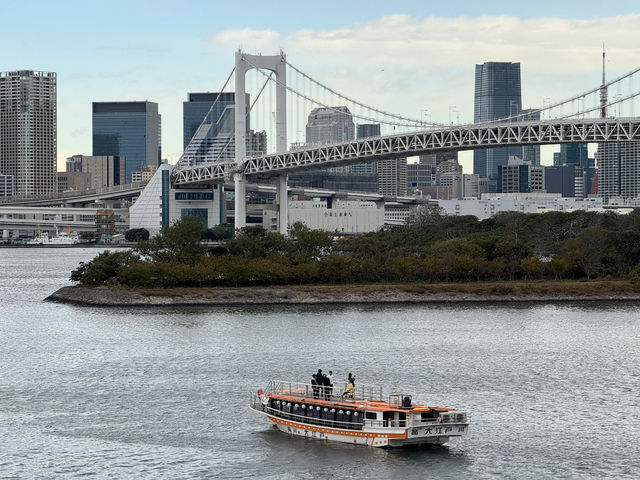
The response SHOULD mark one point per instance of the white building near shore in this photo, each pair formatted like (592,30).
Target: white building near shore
(492,203)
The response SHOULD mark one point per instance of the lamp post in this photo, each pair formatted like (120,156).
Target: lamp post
(451,108)
(424,113)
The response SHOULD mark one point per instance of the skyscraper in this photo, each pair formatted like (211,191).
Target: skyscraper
(28,131)
(576,154)
(497,96)
(365,130)
(330,125)
(531,153)
(391,173)
(212,130)
(619,170)
(127,129)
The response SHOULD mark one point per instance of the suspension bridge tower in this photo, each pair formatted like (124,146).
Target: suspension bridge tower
(276,64)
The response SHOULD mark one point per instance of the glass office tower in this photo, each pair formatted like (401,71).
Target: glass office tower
(211,130)
(497,96)
(130,130)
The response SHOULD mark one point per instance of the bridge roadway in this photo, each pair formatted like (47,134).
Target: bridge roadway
(127,191)
(465,137)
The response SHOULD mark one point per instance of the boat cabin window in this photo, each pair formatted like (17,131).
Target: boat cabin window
(371,415)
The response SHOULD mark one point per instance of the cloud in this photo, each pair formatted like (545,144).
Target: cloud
(551,44)
(405,64)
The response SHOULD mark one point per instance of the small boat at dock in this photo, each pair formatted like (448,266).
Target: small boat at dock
(363,418)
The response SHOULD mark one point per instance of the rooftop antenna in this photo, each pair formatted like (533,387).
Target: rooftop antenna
(603,90)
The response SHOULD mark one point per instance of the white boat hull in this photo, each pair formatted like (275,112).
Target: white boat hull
(388,437)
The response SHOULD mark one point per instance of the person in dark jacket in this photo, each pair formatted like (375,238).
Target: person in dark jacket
(319,382)
(327,386)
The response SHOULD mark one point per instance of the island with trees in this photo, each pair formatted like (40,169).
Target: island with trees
(434,257)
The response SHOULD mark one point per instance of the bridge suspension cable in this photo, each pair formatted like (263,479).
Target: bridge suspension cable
(583,95)
(414,124)
(360,104)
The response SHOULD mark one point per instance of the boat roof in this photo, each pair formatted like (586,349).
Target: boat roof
(356,404)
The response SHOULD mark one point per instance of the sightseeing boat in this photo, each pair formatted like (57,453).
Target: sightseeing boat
(361,418)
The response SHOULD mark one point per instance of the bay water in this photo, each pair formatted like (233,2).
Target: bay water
(551,390)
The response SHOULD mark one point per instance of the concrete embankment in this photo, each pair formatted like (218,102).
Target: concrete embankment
(353,294)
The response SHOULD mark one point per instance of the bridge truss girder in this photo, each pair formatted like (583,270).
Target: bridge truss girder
(468,137)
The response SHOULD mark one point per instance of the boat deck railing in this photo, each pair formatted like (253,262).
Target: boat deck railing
(335,393)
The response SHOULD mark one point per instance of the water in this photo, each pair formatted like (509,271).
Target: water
(551,390)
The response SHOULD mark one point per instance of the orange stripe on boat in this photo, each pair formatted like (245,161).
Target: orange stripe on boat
(336,431)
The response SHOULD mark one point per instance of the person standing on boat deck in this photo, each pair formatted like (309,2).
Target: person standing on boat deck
(320,382)
(314,386)
(330,377)
(327,386)
(352,380)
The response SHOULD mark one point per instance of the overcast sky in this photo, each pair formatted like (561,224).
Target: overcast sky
(401,56)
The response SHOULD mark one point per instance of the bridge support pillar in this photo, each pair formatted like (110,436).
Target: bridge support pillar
(240,211)
(283,205)
(277,64)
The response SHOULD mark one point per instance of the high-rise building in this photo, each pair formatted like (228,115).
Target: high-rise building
(368,130)
(419,175)
(208,126)
(518,176)
(497,96)
(6,186)
(28,131)
(530,153)
(392,176)
(144,173)
(435,159)
(74,163)
(127,129)
(330,125)
(562,179)
(392,173)
(619,170)
(365,130)
(577,154)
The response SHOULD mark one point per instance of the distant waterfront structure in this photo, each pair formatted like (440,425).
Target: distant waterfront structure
(497,96)
(127,129)
(28,131)
(619,170)
(490,204)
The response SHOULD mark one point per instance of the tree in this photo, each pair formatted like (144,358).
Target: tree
(179,243)
(104,268)
(308,244)
(257,242)
(137,235)
(532,267)
(426,215)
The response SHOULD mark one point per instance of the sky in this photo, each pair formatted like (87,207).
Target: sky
(406,57)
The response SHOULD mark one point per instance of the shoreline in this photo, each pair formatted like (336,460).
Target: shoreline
(478,293)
